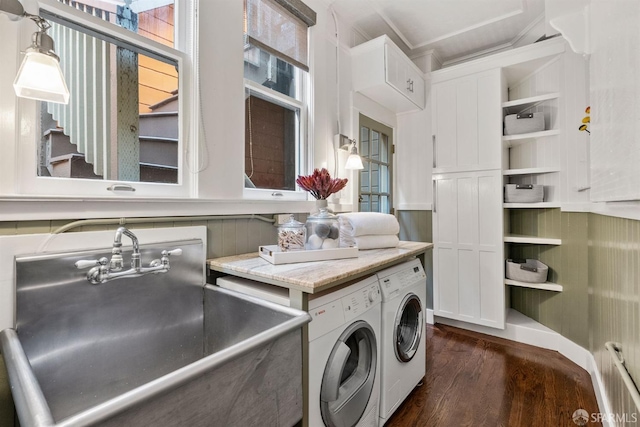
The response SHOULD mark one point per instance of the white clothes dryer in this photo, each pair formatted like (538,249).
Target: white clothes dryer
(403,365)
(344,350)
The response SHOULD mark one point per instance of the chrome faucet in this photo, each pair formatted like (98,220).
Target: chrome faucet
(104,269)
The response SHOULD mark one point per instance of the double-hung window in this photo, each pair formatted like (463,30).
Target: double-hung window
(276,86)
(128,125)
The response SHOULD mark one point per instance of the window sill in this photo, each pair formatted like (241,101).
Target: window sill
(30,208)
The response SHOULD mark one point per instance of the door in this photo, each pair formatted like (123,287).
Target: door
(376,151)
(466,123)
(408,327)
(468,263)
(348,380)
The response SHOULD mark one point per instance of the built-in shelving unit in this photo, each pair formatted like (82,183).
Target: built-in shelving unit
(532,158)
(547,286)
(516,238)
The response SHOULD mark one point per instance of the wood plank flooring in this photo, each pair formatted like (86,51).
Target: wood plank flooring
(478,380)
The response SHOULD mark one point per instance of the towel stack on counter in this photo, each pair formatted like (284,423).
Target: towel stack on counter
(368,230)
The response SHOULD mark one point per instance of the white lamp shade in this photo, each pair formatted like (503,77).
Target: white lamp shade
(40,77)
(354,162)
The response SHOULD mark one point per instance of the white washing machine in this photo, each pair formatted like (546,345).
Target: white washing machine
(403,349)
(344,350)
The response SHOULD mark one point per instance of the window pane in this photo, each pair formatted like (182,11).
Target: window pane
(271,138)
(364,141)
(269,71)
(123,117)
(375,145)
(153,20)
(384,204)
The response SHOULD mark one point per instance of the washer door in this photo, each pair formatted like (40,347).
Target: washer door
(349,376)
(408,328)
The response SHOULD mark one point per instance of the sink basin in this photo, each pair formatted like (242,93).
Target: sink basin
(162,349)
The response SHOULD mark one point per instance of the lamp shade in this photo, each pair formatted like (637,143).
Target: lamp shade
(40,77)
(354,162)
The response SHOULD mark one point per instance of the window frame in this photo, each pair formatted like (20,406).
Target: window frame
(302,145)
(369,123)
(28,183)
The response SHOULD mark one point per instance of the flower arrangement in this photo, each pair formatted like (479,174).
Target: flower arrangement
(320,184)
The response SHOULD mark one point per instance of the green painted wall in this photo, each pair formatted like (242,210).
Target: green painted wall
(415,226)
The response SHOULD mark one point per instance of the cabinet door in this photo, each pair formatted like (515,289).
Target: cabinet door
(396,70)
(468,278)
(467,123)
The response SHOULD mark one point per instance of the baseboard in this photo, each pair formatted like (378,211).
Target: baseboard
(429,316)
(522,329)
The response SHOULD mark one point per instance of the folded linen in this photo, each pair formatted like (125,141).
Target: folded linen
(377,242)
(356,224)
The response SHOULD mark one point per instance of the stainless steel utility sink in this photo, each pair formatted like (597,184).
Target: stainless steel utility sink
(160,349)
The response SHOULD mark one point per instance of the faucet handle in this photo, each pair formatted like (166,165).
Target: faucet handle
(174,252)
(86,263)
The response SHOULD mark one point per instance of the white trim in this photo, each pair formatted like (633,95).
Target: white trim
(429,316)
(41,208)
(414,207)
(522,329)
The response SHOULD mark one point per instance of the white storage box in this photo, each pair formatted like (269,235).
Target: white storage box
(515,124)
(523,193)
(527,270)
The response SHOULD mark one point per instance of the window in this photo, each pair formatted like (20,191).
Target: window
(125,122)
(376,151)
(276,81)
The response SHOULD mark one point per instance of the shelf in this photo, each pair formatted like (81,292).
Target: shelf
(547,286)
(517,238)
(524,104)
(532,135)
(541,205)
(529,171)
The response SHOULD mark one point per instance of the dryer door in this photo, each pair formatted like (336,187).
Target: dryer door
(349,376)
(408,327)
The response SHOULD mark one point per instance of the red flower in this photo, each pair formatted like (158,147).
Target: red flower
(320,184)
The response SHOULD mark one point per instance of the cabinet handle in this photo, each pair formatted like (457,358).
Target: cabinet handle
(411,86)
(433,149)
(434,196)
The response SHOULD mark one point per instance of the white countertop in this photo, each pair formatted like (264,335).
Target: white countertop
(313,277)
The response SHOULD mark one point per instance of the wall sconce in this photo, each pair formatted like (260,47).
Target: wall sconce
(354,162)
(39,76)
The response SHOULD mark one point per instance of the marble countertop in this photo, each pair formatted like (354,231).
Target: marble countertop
(316,276)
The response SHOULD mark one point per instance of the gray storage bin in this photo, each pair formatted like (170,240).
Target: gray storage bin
(527,270)
(523,193)
(515,124)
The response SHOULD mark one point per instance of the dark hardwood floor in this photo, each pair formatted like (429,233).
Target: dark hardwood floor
(478,380)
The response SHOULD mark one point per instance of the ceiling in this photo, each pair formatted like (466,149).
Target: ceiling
(452,29)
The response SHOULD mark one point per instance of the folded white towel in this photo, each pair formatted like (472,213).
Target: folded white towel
(356,224)
(377,242)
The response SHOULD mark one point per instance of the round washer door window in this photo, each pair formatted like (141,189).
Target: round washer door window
(349,376)
(408,328)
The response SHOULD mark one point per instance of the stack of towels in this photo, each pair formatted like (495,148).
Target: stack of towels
(368,230)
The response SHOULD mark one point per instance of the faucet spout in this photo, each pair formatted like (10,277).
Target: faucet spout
(117,262)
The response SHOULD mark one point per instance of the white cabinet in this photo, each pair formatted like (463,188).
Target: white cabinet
(466,117)
(382,72)
(468,253)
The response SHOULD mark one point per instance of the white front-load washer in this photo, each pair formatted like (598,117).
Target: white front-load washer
(344,350)
(403,349)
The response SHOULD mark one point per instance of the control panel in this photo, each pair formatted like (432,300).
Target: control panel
(393,284)
(360,301)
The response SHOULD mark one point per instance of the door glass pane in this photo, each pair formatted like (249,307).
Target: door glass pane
(364,178)
(375,145)
(384,148)
(364,203)
(375,178)
(375,203)
(384,204)
(384,179)
(364,141)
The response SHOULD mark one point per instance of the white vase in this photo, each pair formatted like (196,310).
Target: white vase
(321,203)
